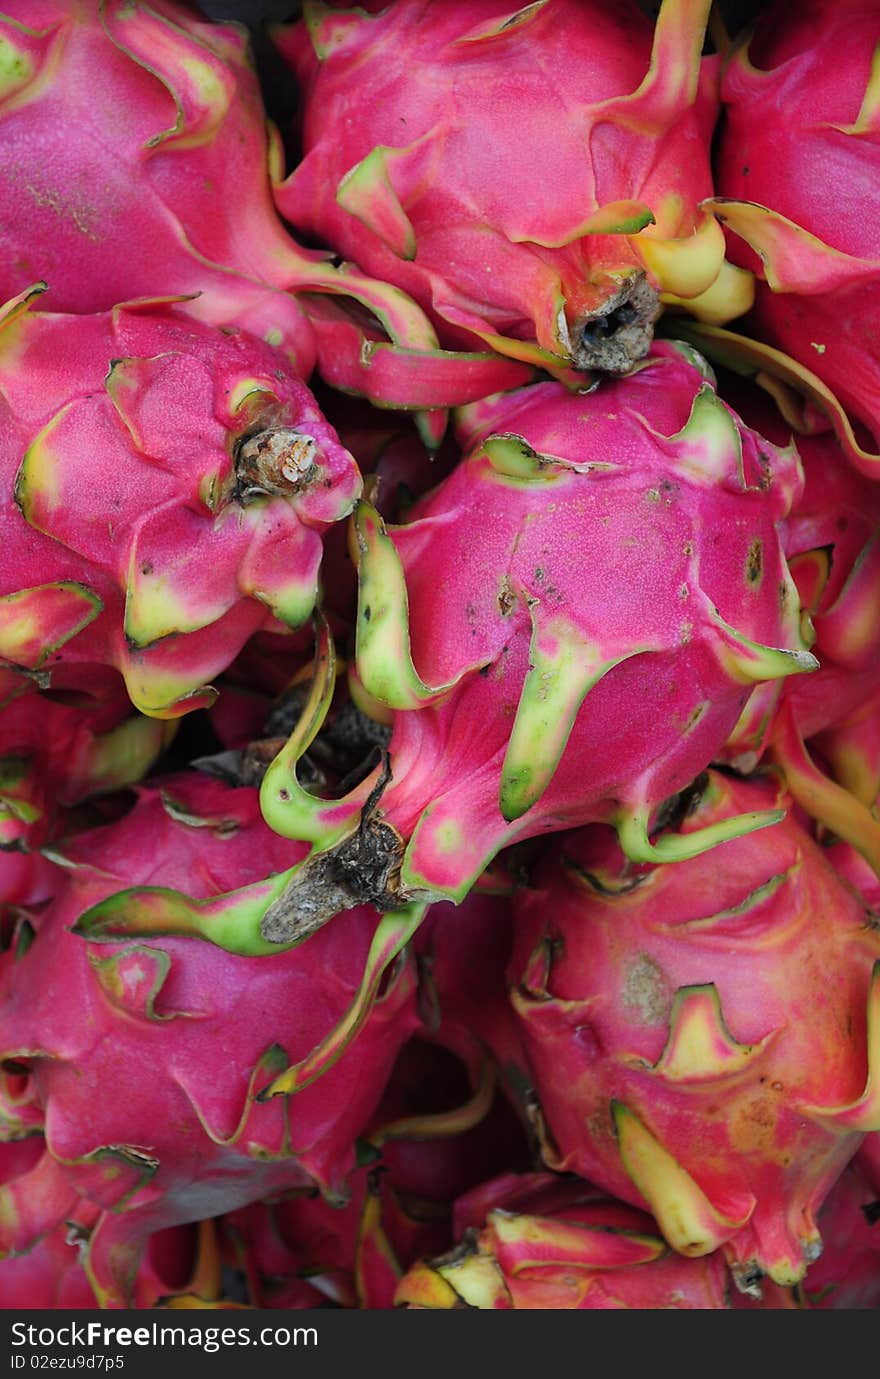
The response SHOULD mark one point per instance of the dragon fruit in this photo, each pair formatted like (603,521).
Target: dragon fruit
(798,169)
(128,208)
(183,1261)
(529,688)
(848,1274)
(704,1038)
(167,487)
(532,176)
(55,754)
(536,1241)
(868,1161)
(823,730)
(433,1136)
(446,1120)
(190,1137)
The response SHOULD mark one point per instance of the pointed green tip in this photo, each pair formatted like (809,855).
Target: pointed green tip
(632,834)
(517,794)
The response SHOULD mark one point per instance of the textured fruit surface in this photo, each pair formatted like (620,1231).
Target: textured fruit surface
(534,1241)
(531,176)
(566,628)
(683,1017)
(207,1031)
(108,190)
(798,173)
(166,485)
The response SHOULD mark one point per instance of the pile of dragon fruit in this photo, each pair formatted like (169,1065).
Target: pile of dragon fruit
(440,656)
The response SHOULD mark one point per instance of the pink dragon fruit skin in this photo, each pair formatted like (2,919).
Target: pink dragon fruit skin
(188,1138)
(532,176)
(432,1138)
(182,1260)
(445,1121)
(847,1274)
(128,207)
(524,676)
(714,1026)
(535,1241)
(120,211)
(797,171)
(823,730)
(167,488)
(54,754)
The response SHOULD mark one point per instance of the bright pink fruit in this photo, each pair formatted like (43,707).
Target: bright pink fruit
(158,179)
(798,170)
(534,1241)
(167,485)
(705,1038)
(532,176)
(187,1137)
(559,633)
(847,1274)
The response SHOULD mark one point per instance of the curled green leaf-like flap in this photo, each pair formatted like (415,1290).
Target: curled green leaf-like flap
(670,84)
(35,622)
(863,1114)
(755,359)
(793,259)
(691,1223)
(16,306)
(700,1047)
(393,933)
(563,668)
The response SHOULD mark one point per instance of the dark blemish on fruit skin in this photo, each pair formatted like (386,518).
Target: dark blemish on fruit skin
(147,567)
(368,613)
(754,562)
(506,598)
